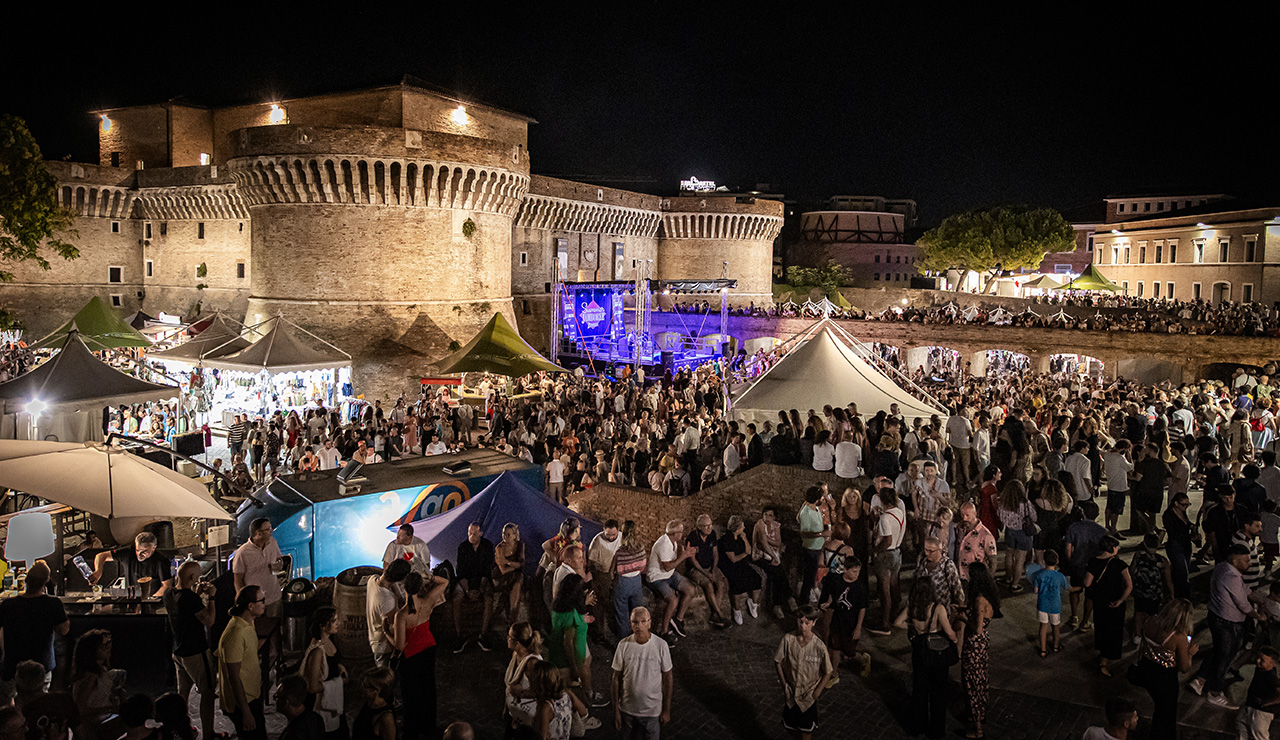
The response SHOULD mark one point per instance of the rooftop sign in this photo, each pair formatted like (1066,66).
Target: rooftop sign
(695,185)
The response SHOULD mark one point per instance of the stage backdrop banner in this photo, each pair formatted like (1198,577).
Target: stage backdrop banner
(593,309)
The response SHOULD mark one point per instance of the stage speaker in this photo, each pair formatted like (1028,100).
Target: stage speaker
(189,444)
(726,349)
(668,359)
(458,468)
(546,287)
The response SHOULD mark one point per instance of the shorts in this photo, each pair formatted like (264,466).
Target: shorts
(887,563)
(668,587)
(1047,618)
(800,720)
(1115,501)
(1076,577)
(201,669)
(1014,539)
(1146,606)
(703,580)
(840,639)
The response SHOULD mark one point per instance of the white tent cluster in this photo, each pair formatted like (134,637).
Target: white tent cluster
(826,365)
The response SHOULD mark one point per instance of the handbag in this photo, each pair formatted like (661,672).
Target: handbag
(942,651)
(1029,528)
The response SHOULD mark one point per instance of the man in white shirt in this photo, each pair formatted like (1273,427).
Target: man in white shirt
(600,563)
(732,460)
(642,680)
(436,447)
(1081,470)
(330,459)
(887,560)
(555,478)
(848,461)
(409,548)
(383,596)
(672,590)
(959,438)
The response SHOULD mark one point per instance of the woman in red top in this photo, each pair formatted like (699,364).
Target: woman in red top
(413,636)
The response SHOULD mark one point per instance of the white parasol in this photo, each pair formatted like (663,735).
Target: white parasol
(102,480)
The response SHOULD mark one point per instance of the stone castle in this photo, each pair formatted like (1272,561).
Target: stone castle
(391,221)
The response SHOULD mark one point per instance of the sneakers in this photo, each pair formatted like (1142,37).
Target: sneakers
(598,699)
(1074,622)
(677,626)
(1196,685)
(753,609)
(591,723)
(865,660)
(462,647)
(484,646)
(880,632)
(1219,699)
(835,679)
(737,616)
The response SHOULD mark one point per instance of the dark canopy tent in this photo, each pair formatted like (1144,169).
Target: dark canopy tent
(498,349)
(99,326)
(139,319)
(73,386)
(506,499)
(281,351)
(219,338)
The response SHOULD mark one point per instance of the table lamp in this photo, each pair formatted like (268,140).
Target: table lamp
(30,537)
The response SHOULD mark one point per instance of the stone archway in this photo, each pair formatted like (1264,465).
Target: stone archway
(986,361)
(936,360)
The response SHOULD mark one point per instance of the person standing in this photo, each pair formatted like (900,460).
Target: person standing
(1182,534)
(766,541)
(887,562)
(628,566)
(256,563)
(1254,720)
(28,622)
(1230,604)
(813,533)
(236,435)
(1108,584)
(976,544)
(411,634)
(804,670)
(984,605)
(239,674)
(1166,649)
(383,596)
(960,440)
(191,613)
(555,474)
(1151,474)
(642,681)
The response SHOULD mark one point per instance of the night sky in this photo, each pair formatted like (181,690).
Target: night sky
(955,110)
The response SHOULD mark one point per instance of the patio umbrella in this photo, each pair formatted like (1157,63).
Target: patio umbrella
(102,480)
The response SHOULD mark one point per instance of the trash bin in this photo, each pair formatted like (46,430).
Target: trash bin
(299,603)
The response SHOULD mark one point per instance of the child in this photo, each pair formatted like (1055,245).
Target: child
(805,669)
(844,596)
(1049,584)
(1118,467)
(1254,720)
(1270,533)
(1152,583)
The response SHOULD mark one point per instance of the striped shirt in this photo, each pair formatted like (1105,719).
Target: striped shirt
(1252,575)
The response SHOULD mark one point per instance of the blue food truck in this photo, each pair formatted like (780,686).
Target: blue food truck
(329,523)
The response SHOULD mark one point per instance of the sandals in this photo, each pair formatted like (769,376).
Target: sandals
(1043,653)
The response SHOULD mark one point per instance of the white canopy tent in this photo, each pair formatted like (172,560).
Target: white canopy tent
(825,367)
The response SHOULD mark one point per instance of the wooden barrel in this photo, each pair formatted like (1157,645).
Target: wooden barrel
(353,624)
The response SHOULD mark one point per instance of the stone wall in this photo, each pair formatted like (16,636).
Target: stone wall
(135,134)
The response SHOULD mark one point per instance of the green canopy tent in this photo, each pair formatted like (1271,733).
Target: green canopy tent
(1091,279)
(99,326)
(498,349)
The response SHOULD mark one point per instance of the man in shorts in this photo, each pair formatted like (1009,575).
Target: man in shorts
(887,563)
(805,670)
(844,599)
(673,591)
(704,573)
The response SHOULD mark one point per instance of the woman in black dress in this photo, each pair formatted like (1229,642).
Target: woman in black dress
(735,563)
(1109,584)
(1182,531)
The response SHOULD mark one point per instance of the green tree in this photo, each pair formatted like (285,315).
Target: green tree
(30,218)
(829,278)
(1002,238)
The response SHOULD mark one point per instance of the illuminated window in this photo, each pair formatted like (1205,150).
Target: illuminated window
(204,158)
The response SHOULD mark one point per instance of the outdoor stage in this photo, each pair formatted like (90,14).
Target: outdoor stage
(606,326)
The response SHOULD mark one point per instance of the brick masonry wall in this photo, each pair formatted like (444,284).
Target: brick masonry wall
(750,263)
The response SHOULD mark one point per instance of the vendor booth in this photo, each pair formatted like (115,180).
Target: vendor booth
(99,326)
(64,398)
(278,371)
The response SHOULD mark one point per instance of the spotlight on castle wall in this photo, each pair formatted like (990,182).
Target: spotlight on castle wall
(277,114)
(106,123)
(459,116)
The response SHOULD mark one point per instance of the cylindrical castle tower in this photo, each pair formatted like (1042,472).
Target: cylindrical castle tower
(388,242)
(718,236)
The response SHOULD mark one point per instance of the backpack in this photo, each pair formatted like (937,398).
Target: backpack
(678,485)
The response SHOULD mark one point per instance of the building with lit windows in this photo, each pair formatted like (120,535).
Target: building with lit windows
(866,234)
(1192,247)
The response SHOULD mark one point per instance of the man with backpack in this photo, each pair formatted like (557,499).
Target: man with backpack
(676,482)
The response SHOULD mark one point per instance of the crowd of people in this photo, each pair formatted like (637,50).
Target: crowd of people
(928,527)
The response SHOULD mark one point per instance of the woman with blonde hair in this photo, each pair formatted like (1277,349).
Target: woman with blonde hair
(1166,651)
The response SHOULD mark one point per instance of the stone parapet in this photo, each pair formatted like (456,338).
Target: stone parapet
(559,214)
(196,202)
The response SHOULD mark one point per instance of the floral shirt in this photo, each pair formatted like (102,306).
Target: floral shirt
(976,546)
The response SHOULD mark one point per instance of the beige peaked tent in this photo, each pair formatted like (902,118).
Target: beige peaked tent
(827,367)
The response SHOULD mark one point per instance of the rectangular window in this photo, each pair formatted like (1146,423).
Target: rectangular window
(1199,252)
(1248,292)
(1124,285)
(115,227)
(1115,255)
(148,230)
(1121,209)
(240,270)
(242,225)
(1146,207)
(200,230)
(1089,246)
(1155,289)
(1173,252)
(150,266)
(115,159)
(524,258)
(1195,291)
(204,158)
(1170,290)
(877,260)
(1160,206)
(1142,254)
(117,300)
(876,276)
(164,228)
(115,274)
(1159,253)
(898,261)
(1139,288)
(1250,250)
(524,307)
(1224,248)
(1128,252)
